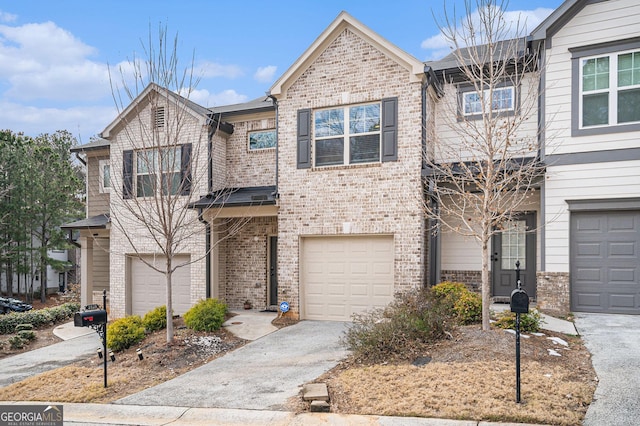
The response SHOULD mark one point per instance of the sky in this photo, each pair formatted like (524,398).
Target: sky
(56,57)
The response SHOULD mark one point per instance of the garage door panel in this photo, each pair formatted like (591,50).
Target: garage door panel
(341,276)
(622,249)
(589,249)
(622,276)
(622,301)
(148,287)
(605,279)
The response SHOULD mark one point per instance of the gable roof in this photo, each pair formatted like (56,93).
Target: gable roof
(196,110)
(451,60)
(261,104)
(95,145)
(558,18)
(342,22)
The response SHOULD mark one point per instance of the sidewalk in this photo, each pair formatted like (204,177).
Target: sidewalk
(110,414)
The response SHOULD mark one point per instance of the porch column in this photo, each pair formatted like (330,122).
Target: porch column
(86,271)
(214,257)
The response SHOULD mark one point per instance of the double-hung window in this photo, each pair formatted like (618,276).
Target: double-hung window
(500,99)
(158,170)
(610,89)
(105,175)
(347,135)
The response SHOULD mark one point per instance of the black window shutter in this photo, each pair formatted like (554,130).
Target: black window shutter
(304,139)
(389,129)
(185,169)
(127,174)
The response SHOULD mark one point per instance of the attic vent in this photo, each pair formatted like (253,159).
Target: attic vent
(158,118)
(258,198)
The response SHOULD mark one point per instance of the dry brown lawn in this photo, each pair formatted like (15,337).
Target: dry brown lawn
(471,376)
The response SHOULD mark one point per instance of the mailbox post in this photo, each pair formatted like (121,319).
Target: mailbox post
(519,305)
(96,319)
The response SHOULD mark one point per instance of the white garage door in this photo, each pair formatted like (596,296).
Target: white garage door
(605,262)
(148,287)
(345,275)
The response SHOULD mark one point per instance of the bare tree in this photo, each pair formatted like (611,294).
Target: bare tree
(484,159)
(166,147)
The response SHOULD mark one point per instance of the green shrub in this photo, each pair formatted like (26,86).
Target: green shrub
(529,323)
(37,318)
(155,320)
(125,332)
(465,305)
(16,342)
(400,330)
(27,335)
(206,315)
(449,289)
(21,327)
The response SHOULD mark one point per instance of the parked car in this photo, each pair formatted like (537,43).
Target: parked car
(13,305)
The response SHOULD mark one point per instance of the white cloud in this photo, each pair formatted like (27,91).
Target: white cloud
(211,69)
(7,17)
(226,97)
(265,74)
(518,22)
(83,122)
(44,61)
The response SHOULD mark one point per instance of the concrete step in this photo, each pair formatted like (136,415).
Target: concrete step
(315,392)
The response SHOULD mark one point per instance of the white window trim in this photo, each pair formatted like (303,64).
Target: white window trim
(154,172)
(347,134)
(485,95)
(249,149)
(101,165)
(613,90)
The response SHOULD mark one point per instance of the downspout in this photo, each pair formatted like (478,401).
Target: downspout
(84,163)
(71,241)
(275,104)
(434,235)
(213,127)
(207,248)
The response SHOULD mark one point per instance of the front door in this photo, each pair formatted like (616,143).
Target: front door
(517,242)
(273,271)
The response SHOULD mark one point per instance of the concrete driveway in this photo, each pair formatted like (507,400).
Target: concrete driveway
(261,375)
(614,342)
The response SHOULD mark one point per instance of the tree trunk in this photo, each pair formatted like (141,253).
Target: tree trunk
(486,282)
(168,276)
(43,279)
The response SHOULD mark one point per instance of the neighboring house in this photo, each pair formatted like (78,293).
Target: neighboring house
(56,278)
(325,176)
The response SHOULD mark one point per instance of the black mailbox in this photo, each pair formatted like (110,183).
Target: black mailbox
(519,301)
(87,318)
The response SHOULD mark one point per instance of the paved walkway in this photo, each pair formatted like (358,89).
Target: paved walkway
(261,375)
(614,343)
(19,367)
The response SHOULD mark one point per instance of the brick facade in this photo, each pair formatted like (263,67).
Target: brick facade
(245,256)
(369,199)
(554,293)
(128,235)
(472,279)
